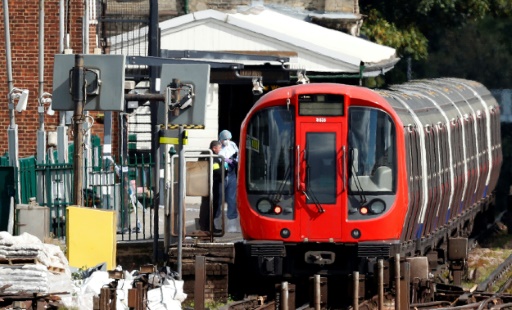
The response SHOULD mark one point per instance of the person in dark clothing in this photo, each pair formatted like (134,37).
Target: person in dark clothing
(204,211)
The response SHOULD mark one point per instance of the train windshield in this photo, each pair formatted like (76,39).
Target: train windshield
(372,151)
(269,151)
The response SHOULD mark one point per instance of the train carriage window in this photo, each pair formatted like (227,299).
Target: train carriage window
(269,151)
(372,151)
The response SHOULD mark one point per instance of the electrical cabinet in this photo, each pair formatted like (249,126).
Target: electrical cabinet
(33,219)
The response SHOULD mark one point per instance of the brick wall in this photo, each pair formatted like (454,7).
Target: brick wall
(132,255)
(24,24)
(24,31)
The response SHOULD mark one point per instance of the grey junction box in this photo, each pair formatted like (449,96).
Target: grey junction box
(33,219)
(110,94)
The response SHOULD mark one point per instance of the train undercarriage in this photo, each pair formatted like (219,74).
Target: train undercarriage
(351,273)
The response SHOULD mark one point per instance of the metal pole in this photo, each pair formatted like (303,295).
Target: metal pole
(62,138)
(156,185)
(85,32)
(181,201)
(107,152)
(318,303)
(62,33)
(167,177)
(12,131)
(397,282)
(9,59)
(356,290)
(153,50)
(41,133)
(88,130)
(78,98)
(13,154)
(381,285)
(284,296)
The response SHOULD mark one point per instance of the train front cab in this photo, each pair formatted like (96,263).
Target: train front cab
(318,189)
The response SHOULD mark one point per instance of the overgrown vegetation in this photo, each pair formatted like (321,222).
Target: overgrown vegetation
(208,305)
(487,257)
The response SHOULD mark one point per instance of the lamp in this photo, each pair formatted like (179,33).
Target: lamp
(301,77)
(22,96)
(257,82)
(44,99)
(257,86)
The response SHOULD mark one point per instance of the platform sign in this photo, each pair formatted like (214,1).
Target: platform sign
(197,75)
(104,76)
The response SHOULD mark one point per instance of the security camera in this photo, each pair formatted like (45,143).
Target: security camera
(50,111)
(22,101)
(186,101)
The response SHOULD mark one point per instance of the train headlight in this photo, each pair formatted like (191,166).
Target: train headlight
(264,205)
(377,206)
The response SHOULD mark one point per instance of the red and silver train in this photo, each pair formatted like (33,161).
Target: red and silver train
(333,177)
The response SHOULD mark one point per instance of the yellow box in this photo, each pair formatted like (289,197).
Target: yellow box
(90,237)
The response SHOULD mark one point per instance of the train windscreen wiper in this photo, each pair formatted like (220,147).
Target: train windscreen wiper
(311,196)
(362,197)
(276,197)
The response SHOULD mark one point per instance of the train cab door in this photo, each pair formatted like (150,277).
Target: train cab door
(320,180)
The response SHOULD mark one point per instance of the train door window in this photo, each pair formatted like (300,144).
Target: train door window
(321,167)
(372,151)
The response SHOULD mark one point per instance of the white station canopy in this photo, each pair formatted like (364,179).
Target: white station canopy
(266,32)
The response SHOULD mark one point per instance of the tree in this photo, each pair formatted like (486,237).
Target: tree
(478,51)
(419,28)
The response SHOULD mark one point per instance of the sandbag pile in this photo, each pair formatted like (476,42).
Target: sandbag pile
(24,279)
(27,265)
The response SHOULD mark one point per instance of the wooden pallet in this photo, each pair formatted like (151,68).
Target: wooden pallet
(54,269)
(14,261)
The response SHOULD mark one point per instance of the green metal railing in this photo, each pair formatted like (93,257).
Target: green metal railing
(125,188)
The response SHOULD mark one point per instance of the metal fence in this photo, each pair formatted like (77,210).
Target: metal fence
(125,188)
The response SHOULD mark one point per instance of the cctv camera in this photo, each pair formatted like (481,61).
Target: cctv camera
(185,102)
(50,111)
(22,101)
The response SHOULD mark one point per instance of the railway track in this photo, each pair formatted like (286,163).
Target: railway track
(490,293)
(447,297)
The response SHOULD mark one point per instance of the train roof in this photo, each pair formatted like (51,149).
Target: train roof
(424,98)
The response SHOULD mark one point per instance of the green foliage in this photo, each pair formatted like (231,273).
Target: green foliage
(209,304)
(505,181)
(79,274)
(460,38)
(478,51)
(409,41)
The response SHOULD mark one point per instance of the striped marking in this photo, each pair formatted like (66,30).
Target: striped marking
(186,126)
